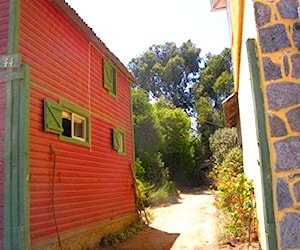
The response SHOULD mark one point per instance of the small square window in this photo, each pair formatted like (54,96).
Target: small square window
(72,124)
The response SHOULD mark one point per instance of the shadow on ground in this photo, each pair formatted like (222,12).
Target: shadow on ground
(148,239)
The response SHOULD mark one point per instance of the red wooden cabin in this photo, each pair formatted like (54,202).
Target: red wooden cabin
(66,147)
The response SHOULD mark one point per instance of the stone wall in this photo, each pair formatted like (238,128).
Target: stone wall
(278,29)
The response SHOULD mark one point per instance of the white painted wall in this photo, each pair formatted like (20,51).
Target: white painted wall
(247,117)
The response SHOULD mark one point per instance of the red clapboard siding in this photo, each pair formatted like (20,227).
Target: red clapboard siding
(91,184)
(2,134)
(4,12)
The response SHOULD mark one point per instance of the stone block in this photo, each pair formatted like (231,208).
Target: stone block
(288,8)
(289,231)
(273,38)
(287,154)
(283,196)
(297,191)
(282,95)
(262,14)
(293,117)
(295,175)
(277,126)
(296,34)
(295,65)
(272,70)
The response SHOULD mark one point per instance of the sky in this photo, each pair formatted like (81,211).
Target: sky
(129,27)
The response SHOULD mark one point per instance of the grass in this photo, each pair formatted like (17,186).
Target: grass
(120,236)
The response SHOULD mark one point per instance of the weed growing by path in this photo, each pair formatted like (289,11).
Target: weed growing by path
(119,237)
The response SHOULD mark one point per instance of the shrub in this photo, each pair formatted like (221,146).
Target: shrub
(165,194)
(161,192)
(221,142)
(235,198)
(120,236)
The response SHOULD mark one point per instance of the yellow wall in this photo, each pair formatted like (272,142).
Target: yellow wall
(278,40)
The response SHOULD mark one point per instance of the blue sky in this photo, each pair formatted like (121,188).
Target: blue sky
(130,27)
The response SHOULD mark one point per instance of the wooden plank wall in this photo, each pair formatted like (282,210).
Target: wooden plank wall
(92,184)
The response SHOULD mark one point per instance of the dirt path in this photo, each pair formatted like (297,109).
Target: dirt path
(190,224)
(194,219)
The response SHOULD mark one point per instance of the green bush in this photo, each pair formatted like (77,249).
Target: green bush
(235,198)
(163,195)
(221,142)
(161,192)
(120,236)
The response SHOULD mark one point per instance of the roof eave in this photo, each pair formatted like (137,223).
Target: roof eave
(217,5)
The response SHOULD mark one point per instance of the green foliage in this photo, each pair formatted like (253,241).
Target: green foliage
(156,171)
(177,150)
(148,140)
(165,194)
(147,130)
(153,194)
(120,236)
(214,85)
(235,198)
(166,70)
(183,85)
(139,170)
(221,142)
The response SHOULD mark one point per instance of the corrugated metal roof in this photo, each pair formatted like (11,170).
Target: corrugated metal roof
(218,4)
(91,35)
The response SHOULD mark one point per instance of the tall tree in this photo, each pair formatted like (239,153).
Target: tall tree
(148,138)
(169,71)
(177,148)
(214,85)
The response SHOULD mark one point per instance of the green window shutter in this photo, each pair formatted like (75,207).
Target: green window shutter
(119,140)
(108,75)
(116,143)
(52,117)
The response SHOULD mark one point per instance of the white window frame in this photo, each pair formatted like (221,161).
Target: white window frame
(72,116)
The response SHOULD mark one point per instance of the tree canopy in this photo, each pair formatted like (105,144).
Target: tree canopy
(184,86)
(215,84)
(169,71)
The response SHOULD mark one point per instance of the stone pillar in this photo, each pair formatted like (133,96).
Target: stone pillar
(278,30)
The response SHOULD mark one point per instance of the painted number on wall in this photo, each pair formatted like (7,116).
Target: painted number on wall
(9,61)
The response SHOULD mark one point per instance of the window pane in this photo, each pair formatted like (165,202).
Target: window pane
(79,126)
(121,142)
(66,123)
